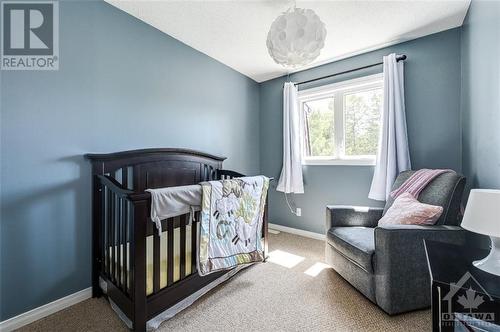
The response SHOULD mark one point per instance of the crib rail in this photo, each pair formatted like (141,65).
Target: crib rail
(119,208)
(120,245)
(115,232)
(223,174)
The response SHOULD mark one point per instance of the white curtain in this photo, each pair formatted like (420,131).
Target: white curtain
(393,153)
(291,174)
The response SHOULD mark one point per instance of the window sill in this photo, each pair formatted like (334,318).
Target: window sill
(338,162)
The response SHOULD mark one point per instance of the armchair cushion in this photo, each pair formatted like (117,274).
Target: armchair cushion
(357,244)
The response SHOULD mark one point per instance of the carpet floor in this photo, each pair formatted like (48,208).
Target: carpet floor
(293,291)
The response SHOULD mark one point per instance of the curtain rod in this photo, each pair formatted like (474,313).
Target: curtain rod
(398,58)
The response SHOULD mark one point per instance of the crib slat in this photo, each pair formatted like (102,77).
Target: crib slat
(130,231)
(194,242)
(119,242)
(156,261)
(265,229)
(182,266)
(125,177)
(113,238)
(170,251)
(102,225)
(108,233)
(124,244)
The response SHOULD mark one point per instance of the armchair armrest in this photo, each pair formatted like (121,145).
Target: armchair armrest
(400,264)
(390,237)
(342,215)
(401,245)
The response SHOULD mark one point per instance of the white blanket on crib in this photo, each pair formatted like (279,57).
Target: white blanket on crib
(174,201)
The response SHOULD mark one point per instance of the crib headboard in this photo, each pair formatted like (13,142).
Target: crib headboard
(138,170)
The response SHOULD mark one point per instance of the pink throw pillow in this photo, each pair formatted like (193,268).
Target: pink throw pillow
(407,210)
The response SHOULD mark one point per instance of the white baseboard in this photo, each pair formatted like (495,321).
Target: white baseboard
(45,310)
(297,231)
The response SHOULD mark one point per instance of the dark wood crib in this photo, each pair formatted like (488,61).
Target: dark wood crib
(143,272)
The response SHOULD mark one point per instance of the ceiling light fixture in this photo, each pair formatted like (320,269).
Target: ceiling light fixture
(296,37)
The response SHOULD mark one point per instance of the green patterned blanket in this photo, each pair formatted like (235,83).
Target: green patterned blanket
(231,223)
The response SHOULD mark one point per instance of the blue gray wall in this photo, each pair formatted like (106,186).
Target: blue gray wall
(124,85)
(432,76)
(121,85)
(481,94)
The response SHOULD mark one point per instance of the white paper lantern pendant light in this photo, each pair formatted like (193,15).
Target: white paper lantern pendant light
(296,37)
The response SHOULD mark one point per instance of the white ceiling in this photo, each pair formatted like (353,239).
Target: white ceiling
(234,32)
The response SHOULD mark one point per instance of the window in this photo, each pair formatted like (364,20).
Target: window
(340,122)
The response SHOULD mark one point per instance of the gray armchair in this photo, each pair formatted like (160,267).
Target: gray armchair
(387,264)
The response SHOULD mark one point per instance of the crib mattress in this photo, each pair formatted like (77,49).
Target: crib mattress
(163,272)
(163,259)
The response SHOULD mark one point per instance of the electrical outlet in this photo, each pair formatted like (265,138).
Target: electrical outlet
(298,212)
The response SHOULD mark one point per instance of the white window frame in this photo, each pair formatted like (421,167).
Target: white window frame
(337,90)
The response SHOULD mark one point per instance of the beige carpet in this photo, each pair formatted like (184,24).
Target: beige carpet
(265,297)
